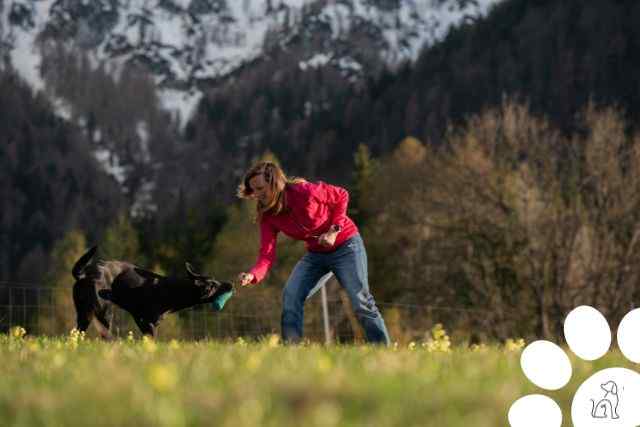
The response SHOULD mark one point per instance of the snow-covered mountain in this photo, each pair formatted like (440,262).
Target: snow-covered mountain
(191,44)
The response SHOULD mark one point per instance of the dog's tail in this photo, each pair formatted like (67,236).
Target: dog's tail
(84,260)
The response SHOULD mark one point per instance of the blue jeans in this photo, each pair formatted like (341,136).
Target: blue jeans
(349,264)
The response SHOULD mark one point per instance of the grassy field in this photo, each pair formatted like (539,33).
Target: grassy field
(72,381)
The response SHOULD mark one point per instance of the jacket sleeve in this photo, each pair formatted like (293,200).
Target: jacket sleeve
(337,199)
(267,255)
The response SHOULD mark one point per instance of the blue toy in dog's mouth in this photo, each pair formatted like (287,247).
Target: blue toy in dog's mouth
(221,299)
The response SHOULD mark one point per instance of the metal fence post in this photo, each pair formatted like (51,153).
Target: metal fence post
(325,316)
(325,309)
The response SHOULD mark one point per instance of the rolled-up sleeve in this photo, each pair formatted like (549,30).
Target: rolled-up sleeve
(267,255)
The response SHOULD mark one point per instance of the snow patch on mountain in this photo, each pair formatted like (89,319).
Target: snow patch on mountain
(21,21)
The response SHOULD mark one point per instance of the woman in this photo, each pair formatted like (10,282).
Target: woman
(317,214)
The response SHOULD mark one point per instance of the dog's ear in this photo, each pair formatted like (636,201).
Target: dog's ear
(192,274)
(196,277)
(106,294)
(147,274)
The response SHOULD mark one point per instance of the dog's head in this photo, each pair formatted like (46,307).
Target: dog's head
(610,387)
(183,292)
(206,286)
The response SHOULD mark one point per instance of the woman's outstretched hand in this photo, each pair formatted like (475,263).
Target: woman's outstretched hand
(245,279)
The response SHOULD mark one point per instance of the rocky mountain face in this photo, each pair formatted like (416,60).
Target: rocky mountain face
(190,44)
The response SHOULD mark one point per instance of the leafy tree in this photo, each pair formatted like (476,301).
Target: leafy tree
(510,221)
(59,317)
(120,240)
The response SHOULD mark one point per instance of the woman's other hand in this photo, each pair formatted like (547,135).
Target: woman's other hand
(245,279)
(328,238)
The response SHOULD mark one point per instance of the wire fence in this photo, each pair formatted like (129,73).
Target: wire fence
(250,314)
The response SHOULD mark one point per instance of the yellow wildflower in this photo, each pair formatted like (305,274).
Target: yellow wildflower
(75,337)
(439,341)
(148,344)
(324,364)
(514,344)
(17,332)
(162,377)
(273,341)
(478,347)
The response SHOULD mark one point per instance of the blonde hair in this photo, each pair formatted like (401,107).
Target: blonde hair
(277,181)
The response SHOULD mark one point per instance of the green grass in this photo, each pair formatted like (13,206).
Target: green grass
(73,382)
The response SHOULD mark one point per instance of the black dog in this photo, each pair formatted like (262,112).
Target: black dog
(147,296)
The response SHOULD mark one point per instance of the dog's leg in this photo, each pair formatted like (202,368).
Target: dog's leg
(146,327)
(84,305)
(83,320)
(154,330)
(104,324)
(104,332)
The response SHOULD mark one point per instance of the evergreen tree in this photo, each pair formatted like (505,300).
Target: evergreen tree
(365,167)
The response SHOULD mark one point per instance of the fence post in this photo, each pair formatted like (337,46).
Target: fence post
(24,307)
(325,309)
(325,315)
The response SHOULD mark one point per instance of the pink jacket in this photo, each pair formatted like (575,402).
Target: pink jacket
(312,209)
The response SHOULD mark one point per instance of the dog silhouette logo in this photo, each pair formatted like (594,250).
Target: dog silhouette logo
(607,407)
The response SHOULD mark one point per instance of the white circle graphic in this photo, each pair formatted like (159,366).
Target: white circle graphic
(535,410)
(608,398)
(587,332)
(628,335)
(546,365)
